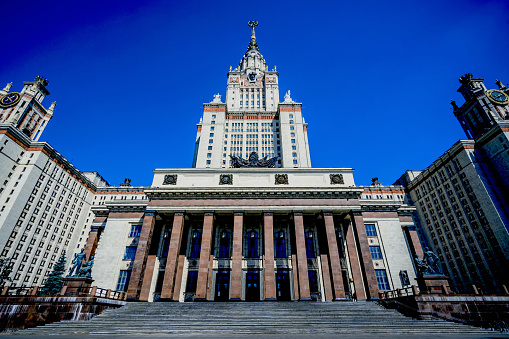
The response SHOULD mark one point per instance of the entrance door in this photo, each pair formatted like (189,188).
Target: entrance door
(222,287)
(282,286)
(253,286)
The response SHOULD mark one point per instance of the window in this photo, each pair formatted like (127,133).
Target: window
(375,252)
(294,148)
(294,154)
(123,280)
(293,141)
(130,252)
(192,279)
(213,116)
(279,245)
(211,141)
(135,231)
(370,230)
(209,155)
(292,128)
(295,162)
(252,244)
(211,135)
(208,162)
(224,244)
(195,244)
(310,251)
(212,128)
(381,279)
(210,148)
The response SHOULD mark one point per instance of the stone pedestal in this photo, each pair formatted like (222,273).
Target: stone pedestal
(433,284)
(77,286)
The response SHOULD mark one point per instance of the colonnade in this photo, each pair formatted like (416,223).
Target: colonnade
(356,245)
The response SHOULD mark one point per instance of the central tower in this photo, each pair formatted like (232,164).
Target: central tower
(252,119)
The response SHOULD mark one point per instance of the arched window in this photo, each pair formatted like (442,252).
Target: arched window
(252,244)
(279,244)
(224,244)
(195,244)
(310,251)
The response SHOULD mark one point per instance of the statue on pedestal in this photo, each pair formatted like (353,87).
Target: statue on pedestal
(77,261)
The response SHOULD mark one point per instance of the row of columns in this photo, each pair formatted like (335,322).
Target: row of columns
(361,266)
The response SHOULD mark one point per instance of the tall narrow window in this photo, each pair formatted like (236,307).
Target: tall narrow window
(195,244)
(279,244)
(224,244)
(370,230)
(381,279)
(252,245)
(123,280)
(130,252)
(310,251)
(375,252)
(135,231)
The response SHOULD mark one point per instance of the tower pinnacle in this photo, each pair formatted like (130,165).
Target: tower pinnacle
(252,43)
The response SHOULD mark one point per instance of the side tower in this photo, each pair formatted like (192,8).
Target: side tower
(24,110)
(252,119)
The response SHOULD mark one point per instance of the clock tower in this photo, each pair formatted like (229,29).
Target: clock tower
(24,110)
(483,108)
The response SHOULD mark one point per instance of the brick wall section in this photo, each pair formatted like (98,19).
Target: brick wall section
(140,260)
(295,272)
(335,262)
(354,264)
(366,262)
(173,252)
(236,275)
(203,268)
(268,265)
(91,245)
(302,261)
(147,278)
(178,278)
(326,277)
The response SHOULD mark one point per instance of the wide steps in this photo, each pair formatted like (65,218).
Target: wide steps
(275,318)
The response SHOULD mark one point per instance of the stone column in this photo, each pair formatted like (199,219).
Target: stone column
(92,240)
(411,234)
(236,275)
(140,260)
(203,268)
(366,261)
(268,264)
(302,260)
(335,262)
(178,278)
(147,278)
(173,253)
(326,277)
(354,264)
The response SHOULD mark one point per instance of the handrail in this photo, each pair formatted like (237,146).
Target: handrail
(83,291)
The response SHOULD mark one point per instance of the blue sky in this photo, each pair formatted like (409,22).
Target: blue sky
(375,77)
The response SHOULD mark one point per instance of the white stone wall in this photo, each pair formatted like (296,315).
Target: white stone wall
(109,258)
(253,178)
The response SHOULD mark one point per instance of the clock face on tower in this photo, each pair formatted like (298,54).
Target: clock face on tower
(498,97)
(10,99)
(252,77)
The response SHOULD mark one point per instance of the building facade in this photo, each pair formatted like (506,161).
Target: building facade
(211,232)
(462,198)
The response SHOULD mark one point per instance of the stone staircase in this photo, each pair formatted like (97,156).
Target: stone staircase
(263,318)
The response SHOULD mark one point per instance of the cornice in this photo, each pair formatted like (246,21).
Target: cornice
(253,193)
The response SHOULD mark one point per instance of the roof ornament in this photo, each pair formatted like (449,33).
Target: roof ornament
(500,85)
(7,87)
(252,43)
(287,97)
(217,98)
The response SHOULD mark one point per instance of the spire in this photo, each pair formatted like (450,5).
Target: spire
(252,43)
